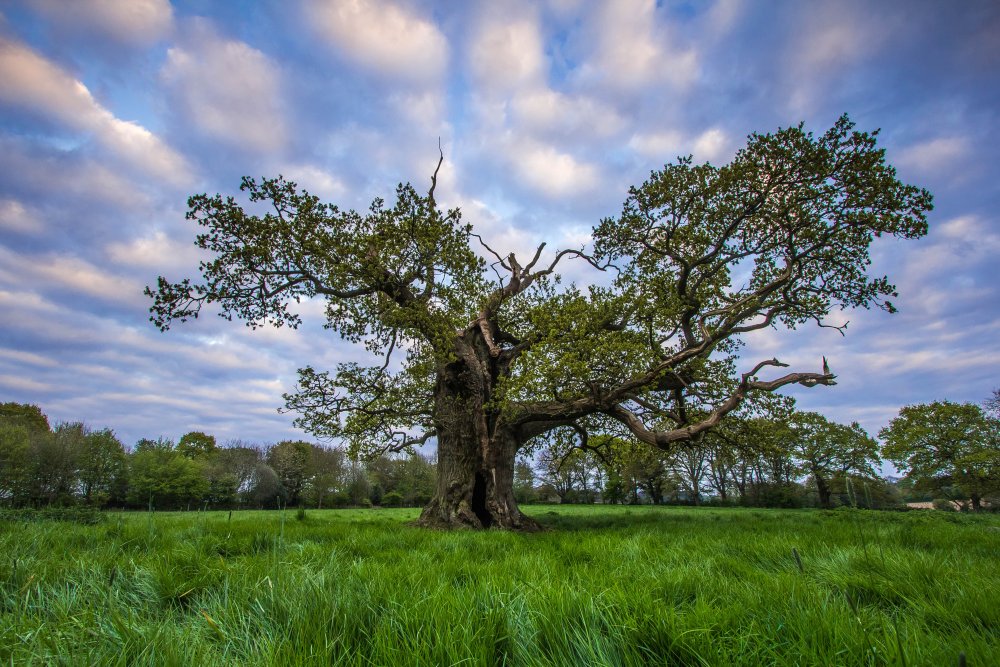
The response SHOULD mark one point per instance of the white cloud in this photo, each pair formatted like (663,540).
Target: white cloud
(664,146)
(498,233)
(547,170)
(837,37)
(382,36)
(575,236)
(723,16)
(133,22)
(971,229)
(711,145)
(227,90)
(28,358)
(55,176)
(425,110)
(952,248)
(565,9)
(936,155)
(16,217)
(829,44)
(52,272)
(542,110)
(18,384)
(629,49)
(156,252)
(534,131)
(31,82)
(507,55)
(316,180)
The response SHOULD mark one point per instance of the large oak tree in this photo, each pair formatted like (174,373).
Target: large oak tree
(494,352)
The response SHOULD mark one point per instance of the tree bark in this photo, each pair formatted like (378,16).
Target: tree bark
(476,449)
(822,490)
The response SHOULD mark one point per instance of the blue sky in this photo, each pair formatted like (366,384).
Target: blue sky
(112,113)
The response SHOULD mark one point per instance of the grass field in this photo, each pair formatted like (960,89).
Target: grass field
(604,586)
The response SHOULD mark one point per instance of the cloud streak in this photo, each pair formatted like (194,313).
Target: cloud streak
(39,86)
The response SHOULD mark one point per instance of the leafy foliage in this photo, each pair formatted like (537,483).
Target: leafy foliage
(702,255)
(830,452)
(165,479)
(944,444)
(196,445)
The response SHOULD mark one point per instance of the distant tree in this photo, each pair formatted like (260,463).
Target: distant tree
(291,460)
(102,467)
(992,404)
(161,444)
(56,458)
(24,414)
(497,354)
(566,472)
(909,492)
(15,462)
(865,491)
(629,466)
(524,481)
(223,485)
(266,489)
(945,444)
(358,487)
(24,432)
(326,475)
(736,449)
(753,458)
(415,479)
(383,474)
(197,445)
(165,479)
(722,460)
(829,451)
(233,469)
(615,489)
(691,464)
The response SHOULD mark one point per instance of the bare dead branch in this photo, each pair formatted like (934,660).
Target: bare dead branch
(434,176)
(500,260)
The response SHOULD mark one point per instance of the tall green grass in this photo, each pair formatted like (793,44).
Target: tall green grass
(604,586)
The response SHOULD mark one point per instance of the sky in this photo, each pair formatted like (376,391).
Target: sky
(113,113)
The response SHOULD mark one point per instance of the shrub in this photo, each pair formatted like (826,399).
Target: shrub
(392,499)
(944,505)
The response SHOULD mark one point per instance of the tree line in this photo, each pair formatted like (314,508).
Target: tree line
(948,451)
(74,464)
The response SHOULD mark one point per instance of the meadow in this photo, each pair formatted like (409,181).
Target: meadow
(603,586)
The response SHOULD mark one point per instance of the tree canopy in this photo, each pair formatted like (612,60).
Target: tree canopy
(829,450)
(196,445)
(945,444)
(485,352)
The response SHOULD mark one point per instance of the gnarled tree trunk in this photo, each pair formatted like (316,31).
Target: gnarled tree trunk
(823,490)
(476,449)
